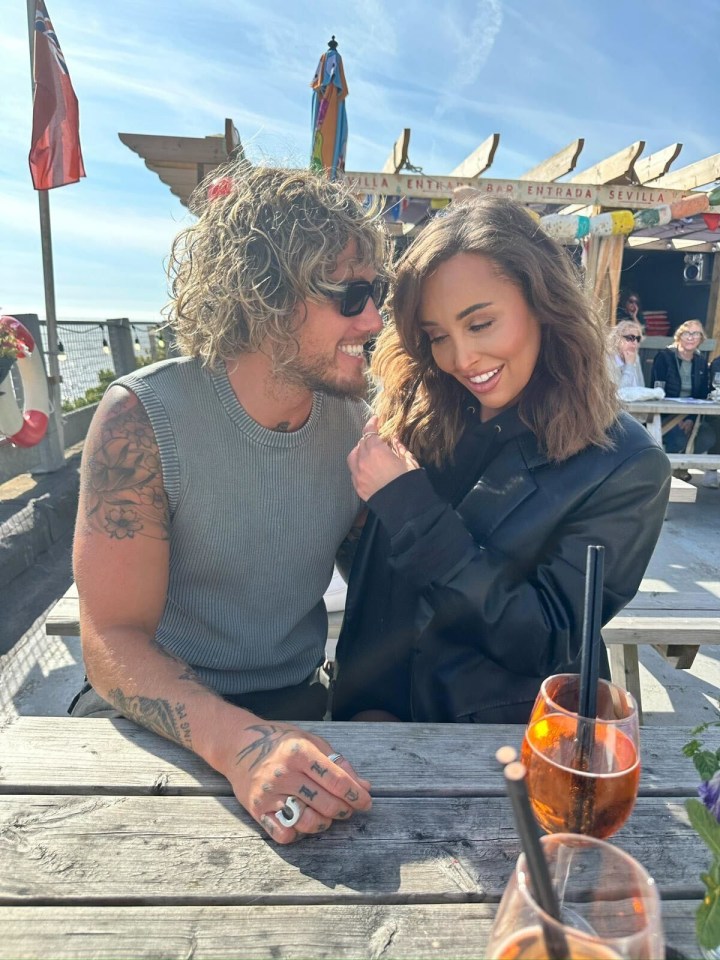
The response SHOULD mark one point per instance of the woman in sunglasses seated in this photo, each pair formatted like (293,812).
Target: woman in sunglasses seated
(625,339)
(685,371)
(498,454)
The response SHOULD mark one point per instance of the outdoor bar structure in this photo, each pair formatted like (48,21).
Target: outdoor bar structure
(597,210)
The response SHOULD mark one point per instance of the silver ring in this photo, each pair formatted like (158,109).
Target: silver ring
(335,757)
(370,433)
(291,803)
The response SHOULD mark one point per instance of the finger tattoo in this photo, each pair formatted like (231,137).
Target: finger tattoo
(316,768)
(352,795)
(307,792)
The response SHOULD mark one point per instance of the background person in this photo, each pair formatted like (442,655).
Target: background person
(629,308)
(467,588)
(710,477)
(685,371)
(215,494)
(624,342)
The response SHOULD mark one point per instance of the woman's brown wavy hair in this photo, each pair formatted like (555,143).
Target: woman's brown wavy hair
(266,240)
(570,401)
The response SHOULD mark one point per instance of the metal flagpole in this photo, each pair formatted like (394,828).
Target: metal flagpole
(51,450)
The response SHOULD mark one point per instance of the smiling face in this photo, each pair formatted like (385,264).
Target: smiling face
(690,339)
(330,355)
(481,330)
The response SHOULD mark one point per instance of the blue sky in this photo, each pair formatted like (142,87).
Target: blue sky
(538,73)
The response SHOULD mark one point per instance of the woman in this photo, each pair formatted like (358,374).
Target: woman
(625,366)
(685,372)
(629,308)
(467,587)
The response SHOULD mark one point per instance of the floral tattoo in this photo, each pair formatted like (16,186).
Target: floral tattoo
(123,486)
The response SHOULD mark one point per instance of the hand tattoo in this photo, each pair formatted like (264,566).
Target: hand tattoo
(269,738)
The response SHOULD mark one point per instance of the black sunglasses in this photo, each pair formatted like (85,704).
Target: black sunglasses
(630,337)
(355,295)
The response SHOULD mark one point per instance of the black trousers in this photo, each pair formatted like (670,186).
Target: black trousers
(308,700)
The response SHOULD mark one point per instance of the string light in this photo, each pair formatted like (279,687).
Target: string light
(160,340)
(61,355)
(138,347)
(105,347)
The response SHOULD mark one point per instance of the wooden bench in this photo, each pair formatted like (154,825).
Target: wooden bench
(698,461)
(676,625)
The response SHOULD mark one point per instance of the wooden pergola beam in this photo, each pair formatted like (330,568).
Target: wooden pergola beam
(695,175)
(562,162)
(399,154)
(618,167)
(479,160)
(657,164)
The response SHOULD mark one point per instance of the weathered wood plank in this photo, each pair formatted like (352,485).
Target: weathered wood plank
(393,932)
(656,164)
(669,628)
(398,156)
(560,163)
(57,755)
(479,160)
(650,602)
(694,175)
(176,850)
(176,151)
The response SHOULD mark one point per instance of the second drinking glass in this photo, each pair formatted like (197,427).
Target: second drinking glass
(582,775)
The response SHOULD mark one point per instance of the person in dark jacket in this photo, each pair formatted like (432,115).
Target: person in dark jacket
(685,372)
(496,456)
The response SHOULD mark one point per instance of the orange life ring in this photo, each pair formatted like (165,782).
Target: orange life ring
(25,427)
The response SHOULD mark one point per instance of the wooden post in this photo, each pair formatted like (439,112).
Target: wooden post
(121,345)
(712,321)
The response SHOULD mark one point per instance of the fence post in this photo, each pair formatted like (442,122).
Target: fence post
(121,345)
(50,452)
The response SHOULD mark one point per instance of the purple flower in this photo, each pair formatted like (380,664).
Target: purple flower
(709,793)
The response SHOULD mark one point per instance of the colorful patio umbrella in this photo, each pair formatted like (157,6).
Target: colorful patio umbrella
(329,119)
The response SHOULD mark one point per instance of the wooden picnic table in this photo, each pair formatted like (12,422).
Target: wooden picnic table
(675,624)
(117,843)
(651,411)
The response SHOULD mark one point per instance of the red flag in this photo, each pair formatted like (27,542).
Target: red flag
(55,155)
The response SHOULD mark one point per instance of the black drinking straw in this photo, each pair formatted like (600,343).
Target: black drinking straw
(590,660)
(587,697)
(555,942)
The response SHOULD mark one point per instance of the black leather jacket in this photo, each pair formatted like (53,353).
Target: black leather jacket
(495,587)
(666,366)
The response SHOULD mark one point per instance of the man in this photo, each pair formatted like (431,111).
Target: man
(215,494)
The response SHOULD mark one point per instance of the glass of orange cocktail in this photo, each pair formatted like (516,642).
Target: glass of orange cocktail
(582,774)
(609,906)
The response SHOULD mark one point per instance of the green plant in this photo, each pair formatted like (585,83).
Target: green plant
(704,814)
(92,394)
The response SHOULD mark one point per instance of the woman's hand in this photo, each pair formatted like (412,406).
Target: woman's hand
(374,463)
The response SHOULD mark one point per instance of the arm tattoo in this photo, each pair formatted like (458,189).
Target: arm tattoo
(122,480)
(157,715)
(267,741)
(307,792)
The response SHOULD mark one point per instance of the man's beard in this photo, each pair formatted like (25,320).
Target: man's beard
(317,377)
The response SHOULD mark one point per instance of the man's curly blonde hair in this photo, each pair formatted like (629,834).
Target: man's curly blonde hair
(266,240)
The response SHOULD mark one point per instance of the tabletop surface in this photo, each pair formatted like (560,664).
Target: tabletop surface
(117,843)
(673,405)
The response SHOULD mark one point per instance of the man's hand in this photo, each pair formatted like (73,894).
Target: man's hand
(686,427)
(374,463)
(278,761)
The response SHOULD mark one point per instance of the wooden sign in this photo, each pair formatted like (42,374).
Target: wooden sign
(524,191)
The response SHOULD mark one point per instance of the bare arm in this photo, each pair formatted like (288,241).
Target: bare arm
(121,562)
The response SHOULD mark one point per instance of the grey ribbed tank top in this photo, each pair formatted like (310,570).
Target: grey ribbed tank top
(256,517)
